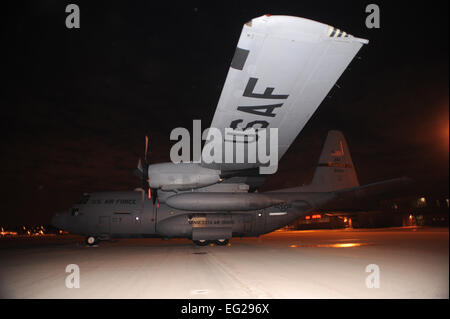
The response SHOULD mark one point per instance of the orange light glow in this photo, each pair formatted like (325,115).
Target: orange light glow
(345,219)
(344,245)
(317,216)
(8,233)
(307,217)
(293,246)
(445,133)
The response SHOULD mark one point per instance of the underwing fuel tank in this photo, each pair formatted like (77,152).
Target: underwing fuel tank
(221,201)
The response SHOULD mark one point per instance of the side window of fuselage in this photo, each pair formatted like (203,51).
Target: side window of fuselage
(83,201)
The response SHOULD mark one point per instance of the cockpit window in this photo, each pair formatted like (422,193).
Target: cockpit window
(84,199)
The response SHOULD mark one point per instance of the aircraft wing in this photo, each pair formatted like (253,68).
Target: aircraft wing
(282,69)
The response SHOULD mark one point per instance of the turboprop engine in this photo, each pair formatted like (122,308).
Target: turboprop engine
(181,176)
(170,176)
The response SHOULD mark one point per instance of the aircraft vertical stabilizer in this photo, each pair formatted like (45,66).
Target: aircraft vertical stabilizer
(335,169)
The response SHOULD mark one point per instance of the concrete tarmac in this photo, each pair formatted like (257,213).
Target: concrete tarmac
(412,263)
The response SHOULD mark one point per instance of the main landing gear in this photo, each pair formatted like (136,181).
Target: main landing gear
(218,242)
(221,242)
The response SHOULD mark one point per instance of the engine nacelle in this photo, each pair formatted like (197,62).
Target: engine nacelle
(182,176)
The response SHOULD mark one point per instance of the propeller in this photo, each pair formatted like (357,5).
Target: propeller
(142,172)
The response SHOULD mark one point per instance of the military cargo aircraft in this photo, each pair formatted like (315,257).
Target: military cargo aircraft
(282,69)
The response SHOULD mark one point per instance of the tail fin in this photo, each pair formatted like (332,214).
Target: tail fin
(335,169)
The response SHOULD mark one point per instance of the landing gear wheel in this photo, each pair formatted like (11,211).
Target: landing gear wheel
(201,242)
(221,242)
(91,240)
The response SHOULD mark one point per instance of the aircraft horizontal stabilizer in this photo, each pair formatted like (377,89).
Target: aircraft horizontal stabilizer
(374,189)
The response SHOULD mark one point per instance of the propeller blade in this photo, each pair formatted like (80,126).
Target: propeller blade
(142,172)
(154,195)
(146,148)
(143,167)
(138,173)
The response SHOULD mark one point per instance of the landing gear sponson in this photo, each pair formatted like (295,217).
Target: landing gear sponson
(92,241)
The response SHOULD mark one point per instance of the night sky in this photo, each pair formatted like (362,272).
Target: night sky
(77,103)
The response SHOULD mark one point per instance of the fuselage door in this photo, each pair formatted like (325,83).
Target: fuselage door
(104,226)
(150,211)
(248,223)
(260,222)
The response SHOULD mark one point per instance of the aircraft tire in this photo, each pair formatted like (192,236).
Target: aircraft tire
(201,242)
(221,242)
(91,240)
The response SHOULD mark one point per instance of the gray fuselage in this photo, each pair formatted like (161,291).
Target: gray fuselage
(132,214)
